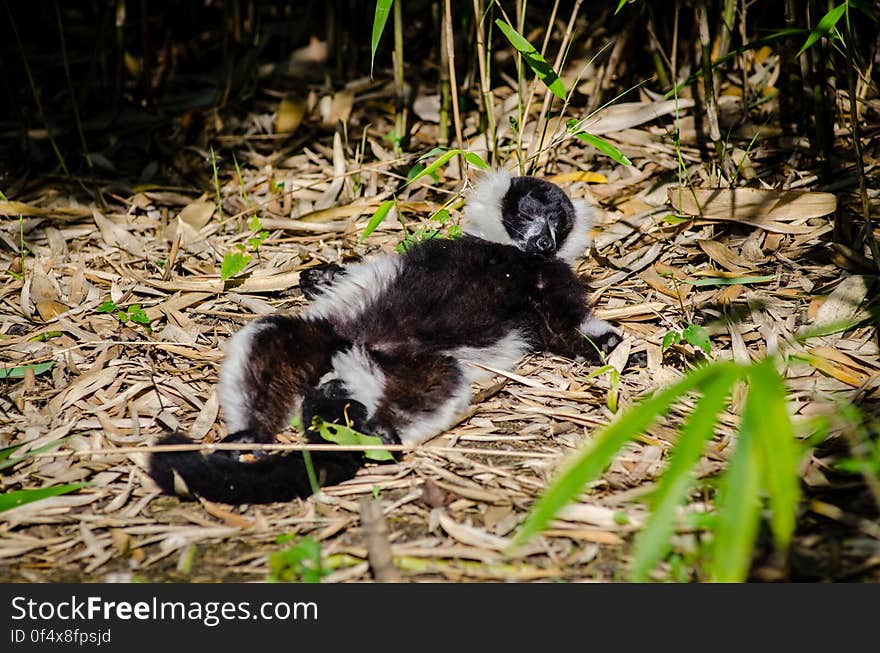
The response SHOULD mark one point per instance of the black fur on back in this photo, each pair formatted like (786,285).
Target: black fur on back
(391,358)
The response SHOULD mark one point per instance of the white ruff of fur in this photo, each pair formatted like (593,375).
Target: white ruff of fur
(356,289)
(233,386)
(360,375)
(482,211)
(578,239)
(503,355)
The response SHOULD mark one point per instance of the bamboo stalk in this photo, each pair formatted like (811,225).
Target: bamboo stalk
(485,82)
(856,129)
(230,446)
(709,80)
(443,131)
(400,117)
(453,83)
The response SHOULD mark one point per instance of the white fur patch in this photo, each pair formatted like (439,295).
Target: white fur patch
(426,425)
(482,211)
(363,379)
(579,238)
(593,326)
(233,386)
(356,288)
(504,355)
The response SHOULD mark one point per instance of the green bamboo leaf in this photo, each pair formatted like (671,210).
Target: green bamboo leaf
(436,165)
(380,214)
(18,372)
(6,452)
(728,281)
(475,160)
(588,463)
(432,153)
(777,448)
(11,500)
(652,543)
(739,503)
(533,58)
(604,147)
(825,25)
(383,9)
(599,372)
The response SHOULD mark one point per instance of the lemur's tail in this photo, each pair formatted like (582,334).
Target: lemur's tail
(219,477)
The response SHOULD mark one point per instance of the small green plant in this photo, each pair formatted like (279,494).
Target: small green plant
(133,313)
(236,260)
(301,562)
(693,334)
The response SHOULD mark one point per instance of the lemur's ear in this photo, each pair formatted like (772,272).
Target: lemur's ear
(580,237)
(482,211)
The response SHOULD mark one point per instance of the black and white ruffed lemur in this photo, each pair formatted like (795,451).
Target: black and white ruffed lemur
(387,343)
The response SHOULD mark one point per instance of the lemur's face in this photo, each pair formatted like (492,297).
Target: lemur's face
(537,215)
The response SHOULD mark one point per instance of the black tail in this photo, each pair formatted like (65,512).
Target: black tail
(219,477)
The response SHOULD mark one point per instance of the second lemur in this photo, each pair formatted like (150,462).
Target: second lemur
(388,344)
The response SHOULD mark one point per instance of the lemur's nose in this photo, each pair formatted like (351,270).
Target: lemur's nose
(544,244)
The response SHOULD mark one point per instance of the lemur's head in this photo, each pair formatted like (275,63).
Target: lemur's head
(531,214)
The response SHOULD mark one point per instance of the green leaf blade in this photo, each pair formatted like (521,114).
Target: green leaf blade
(592,460)
(377,218)
(383,9)
(10,500)
(738,504)
(438,163)
(19,371)
(6,452)
(778,453)
(535,61)
(825,25)
(651,544)
(476,160)
(604,147)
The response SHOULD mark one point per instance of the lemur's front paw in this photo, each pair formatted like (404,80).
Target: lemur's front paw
(314,280)
(601,337)
(606,342)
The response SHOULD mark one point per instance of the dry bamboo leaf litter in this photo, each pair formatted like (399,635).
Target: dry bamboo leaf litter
(116,387)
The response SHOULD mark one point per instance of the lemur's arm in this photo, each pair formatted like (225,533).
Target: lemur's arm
(565,322)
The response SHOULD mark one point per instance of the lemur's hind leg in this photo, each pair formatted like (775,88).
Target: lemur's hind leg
(270,365)
(423,395)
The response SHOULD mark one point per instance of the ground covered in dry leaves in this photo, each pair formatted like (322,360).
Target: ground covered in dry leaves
(114,386)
